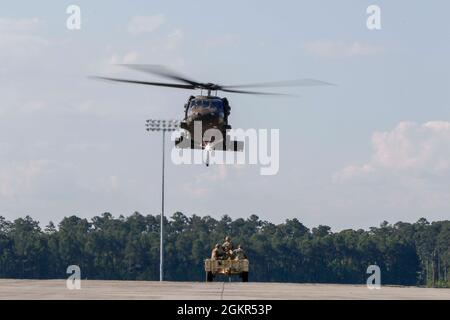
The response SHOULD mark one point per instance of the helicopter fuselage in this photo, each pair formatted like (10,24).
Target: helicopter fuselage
(206,112)
(211,111)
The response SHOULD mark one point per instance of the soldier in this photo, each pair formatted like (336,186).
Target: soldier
(217,252)
(239,253)
(187,105)
(227,109)
(227,246)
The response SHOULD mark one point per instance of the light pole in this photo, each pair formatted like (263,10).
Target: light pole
(163,126)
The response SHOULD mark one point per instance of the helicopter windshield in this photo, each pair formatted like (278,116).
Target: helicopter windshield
(217,105)
(206,106)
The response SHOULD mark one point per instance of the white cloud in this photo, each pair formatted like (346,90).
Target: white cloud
(108,63)
(20,44)
(145,24)
(127,57)
(409,150)
(174,39)
(19,179)
(12,25)
(407,176)
(333,49)
(130,57)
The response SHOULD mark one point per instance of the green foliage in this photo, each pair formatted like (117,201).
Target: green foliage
(128,248)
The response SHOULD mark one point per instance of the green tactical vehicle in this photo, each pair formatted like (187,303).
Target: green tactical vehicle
(228,267)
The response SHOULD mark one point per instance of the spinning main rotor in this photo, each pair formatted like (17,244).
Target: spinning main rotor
(187,83)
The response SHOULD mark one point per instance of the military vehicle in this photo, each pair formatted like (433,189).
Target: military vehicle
(227,267)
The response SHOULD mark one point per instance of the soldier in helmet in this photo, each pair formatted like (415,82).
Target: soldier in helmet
(227,108)
(227,246)
(239,253)
(217,252)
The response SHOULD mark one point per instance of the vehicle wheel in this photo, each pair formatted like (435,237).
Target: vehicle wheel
(209,276)
(244,276)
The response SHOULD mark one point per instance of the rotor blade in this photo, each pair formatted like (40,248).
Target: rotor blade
(288,83)
(160,84)
(161,71)
(257,92)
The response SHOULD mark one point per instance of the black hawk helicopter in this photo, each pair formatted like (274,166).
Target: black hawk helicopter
(209,110)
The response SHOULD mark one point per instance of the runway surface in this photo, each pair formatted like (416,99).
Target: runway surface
(93,289)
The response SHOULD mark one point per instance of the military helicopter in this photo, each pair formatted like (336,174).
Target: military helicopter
(209,111)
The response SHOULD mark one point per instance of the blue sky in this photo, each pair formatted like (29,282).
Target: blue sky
(373,148)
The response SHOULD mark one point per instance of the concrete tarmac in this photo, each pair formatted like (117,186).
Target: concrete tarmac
(97,289)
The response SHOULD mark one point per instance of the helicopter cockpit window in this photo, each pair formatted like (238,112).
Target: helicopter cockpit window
(199,103)
(195,106)
(206,106)
(217,105)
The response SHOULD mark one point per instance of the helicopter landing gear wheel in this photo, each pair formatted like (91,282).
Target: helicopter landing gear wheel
(208,151)
(207,158)
(209,276)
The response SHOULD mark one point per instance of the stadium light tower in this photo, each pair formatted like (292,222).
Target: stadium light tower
(163,126)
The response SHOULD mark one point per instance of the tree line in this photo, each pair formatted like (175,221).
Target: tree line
(127,248)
